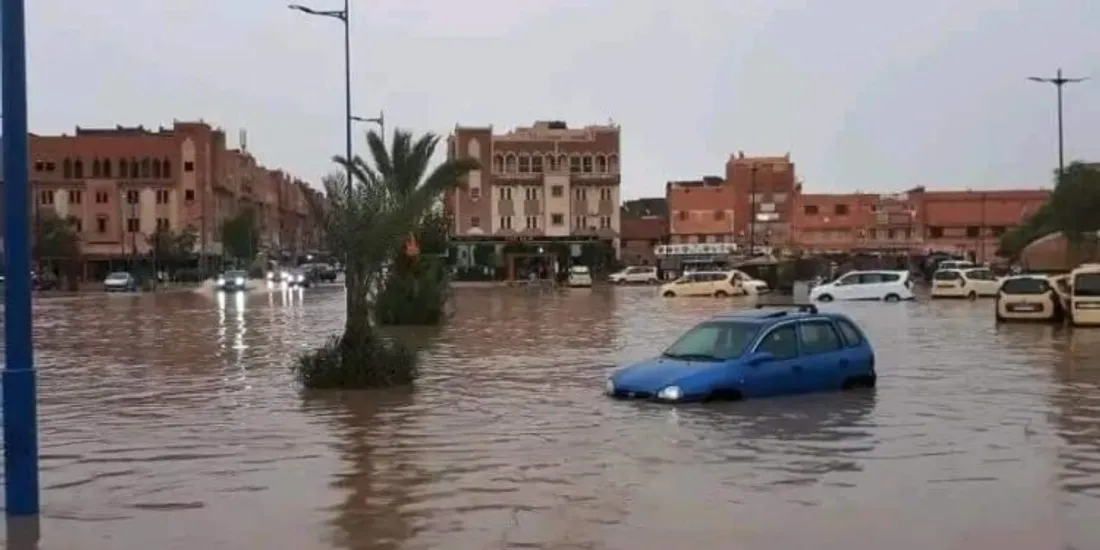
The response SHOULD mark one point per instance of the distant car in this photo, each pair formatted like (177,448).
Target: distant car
(719,284)
(1030,298)
(645,274)
(579,276)
(301,278)
(321,272)
(971,283)
(888,286)
(232,281)
(754,353)
(120,281)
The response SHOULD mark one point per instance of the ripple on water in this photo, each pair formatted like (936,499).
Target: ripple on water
(181,427)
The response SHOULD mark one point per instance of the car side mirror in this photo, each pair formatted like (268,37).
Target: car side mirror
(759,358)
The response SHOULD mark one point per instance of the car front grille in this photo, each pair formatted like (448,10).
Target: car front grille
(626,394)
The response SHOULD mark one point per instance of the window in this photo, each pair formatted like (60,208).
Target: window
(601,164)
(818,337)
(101,224)
(580,194)
(719,215)
(67,169)
(586,164)
(532,222)
(888,277)
(935,232)
(498,164)
(851,335)
(605,193)
(510,163)
(849,279)
(102,197)
(531,193)
(163,224)
(840,210)
(557,191)
(575,164)
(780,342)
(475,221)
(123,168)
(1086,284)
(78,169)
(810,209)
(505,222)
(189,195)
(891,234)
(578,222)
(505,193)
(189,166)
(156,168)
(683,215)
(45,197)
(39,166)
(557,219)
(162,196)
(946,276)
(551,163)
(871,278)
(133,197)
(133,225)
(712,340)
(1026,285)
(135,169)
(78,225)
(973,232)
(536,164)
(75,197)
(97,169)
(605,222)
(106,168)
(873,233)
(166,168)
(524,164)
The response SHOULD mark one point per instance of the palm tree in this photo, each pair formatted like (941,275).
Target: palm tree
(369,224)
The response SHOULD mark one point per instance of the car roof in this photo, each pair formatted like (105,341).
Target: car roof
(770,314)
(1030,276)
(861,271)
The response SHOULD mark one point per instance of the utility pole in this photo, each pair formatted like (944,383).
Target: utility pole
(752,211)
(1059,82)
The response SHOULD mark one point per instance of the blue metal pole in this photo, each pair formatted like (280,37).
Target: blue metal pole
(20,422)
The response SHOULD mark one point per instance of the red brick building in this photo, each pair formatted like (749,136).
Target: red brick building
(763,189)
(701,211)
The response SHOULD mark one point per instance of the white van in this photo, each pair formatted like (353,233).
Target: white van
(888,286)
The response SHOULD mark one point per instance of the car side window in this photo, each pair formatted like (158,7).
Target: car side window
(849,333)
(687,279)
(780,342)
(870,278)
(818,337)
(847,280)
(890,277)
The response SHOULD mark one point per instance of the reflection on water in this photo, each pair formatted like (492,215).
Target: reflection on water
(172,421)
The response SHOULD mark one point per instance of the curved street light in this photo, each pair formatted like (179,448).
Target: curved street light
(1059,82)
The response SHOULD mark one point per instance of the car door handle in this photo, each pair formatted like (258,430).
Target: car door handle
(797,368)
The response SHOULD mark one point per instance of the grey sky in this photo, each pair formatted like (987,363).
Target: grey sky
(865,94)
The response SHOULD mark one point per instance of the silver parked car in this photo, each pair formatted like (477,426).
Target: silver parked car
(120,281)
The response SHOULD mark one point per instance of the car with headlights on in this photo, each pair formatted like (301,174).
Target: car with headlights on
(754,353)
(298,278)
(232,281)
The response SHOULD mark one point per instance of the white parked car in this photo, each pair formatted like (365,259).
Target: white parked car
(973,283)
(888,286)
(579,276)
(750,284)
(645,274)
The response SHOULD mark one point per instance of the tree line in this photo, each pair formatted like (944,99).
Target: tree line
(1073,210)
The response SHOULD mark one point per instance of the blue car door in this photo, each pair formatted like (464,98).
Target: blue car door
(825,359)
(776,377)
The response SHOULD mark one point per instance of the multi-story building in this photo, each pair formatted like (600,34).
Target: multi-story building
(546,183)
(701,211)
(122,184)
(917,221)
(762,189)
(644,228)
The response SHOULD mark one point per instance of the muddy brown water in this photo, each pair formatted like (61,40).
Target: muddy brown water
(172,421)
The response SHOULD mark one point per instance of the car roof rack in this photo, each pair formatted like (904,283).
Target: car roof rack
(801,308)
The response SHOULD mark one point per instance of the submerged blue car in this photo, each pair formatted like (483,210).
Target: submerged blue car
(754,353)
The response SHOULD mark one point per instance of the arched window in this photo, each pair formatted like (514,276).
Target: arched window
(601,163)
(524,163)
(146,168)
(586,164)
(67,169)
(510,163)
(156,168)
(613,163)
(166,168)
(551,163)
(106,166)
(78,169)
(123,168)
(498,164)
(97,169)
(563,162)
(135,169)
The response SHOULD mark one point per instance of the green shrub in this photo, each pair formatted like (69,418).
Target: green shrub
(369,362)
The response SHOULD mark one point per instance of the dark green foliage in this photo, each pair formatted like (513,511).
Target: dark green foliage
(1073,209)
(366,362)
(241,235)
(172,249)
(55,238)
(417,288)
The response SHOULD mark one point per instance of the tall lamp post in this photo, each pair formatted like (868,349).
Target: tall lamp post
(752,212)
(342,16)
(19,399)
(1059,82)
(380,120)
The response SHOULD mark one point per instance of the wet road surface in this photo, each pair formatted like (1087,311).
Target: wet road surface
(172,421)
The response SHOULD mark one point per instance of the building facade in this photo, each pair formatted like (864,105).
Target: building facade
(547,183)
(120,185)
(701,211)
(763,188)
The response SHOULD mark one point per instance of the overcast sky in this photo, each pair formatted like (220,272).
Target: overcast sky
(864,94)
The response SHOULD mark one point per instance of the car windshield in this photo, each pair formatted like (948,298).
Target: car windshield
(946,275)
(235,274)
(713,341)
(579,269)
(1086,284)
(1026,285)
(118,276)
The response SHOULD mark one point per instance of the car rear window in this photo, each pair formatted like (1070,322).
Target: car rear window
(1028,285)
(946,276)
(890,277)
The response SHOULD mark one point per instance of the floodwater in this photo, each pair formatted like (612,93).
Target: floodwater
(172,421)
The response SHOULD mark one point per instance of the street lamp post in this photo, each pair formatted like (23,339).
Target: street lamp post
(19,399)
(752,212)
(342,16)
(1059,82)
(380,120)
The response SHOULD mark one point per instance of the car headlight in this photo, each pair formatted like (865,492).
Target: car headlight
(610,387)
(239,280)
(670,393)
(270,275)
(300,278)
(284,276)
(220,281)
